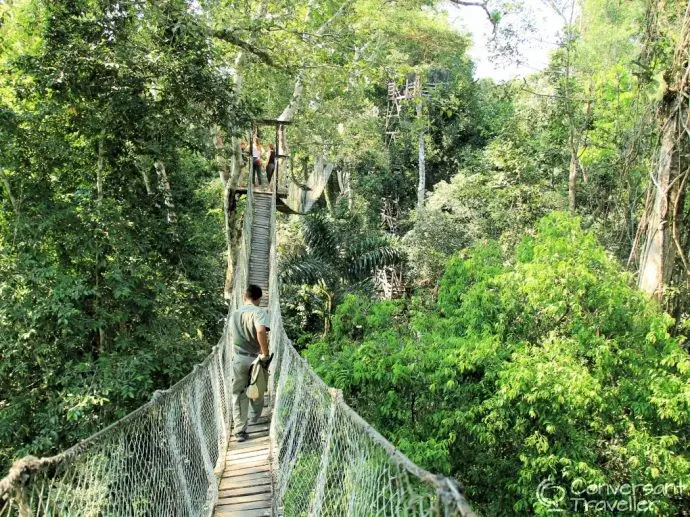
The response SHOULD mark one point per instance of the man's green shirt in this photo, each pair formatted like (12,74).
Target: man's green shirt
(243,326)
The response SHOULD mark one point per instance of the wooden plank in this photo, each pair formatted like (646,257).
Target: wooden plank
(249,445)
(244,469)
(259,444)
(242,483)
(248,457)
(246,490)
(250,498)
(256,461)
(260,512)
(235,463)
(248,453)
(250,479)
(254,505)
(231,465)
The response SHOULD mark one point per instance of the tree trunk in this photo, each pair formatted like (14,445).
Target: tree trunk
(164,184)
(99,270)
(8,189)
(421,185)
(659,252)
(662,245)
(232,231)
(572,177)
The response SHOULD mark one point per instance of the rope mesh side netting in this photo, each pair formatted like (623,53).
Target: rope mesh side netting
(166,457)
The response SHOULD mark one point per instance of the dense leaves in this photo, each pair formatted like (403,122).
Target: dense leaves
(110,237)
(545,365)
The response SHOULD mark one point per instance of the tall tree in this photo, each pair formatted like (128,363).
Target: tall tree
(664,250)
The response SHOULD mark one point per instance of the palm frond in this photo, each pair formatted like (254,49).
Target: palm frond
(304,269)
(367,262)
(319,236)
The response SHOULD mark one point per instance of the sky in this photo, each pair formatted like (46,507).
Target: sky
(535,51)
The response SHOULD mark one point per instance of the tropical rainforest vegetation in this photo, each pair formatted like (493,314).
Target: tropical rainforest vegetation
(496,275)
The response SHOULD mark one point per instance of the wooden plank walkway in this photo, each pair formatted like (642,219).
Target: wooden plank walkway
(261,244)
(246,486)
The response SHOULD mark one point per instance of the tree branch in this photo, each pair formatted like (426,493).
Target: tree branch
(481,5)
(12,199)
(229,36)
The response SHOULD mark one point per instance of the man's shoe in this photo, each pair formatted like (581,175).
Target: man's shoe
(241,436)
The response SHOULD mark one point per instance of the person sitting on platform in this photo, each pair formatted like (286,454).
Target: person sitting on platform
(248,325)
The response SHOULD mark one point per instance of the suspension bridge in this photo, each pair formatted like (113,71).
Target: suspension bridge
(308,454)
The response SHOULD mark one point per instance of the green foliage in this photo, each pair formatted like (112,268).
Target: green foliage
(500,193)
(549,365)
(110,237)
(334,256)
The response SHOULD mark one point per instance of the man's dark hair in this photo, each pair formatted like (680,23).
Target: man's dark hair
(253,292)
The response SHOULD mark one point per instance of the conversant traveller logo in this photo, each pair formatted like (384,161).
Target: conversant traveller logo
(551,495)
(603,497)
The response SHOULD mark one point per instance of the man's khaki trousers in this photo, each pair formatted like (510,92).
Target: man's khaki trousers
(240,401)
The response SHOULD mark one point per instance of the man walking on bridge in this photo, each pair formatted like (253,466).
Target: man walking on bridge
(248,325)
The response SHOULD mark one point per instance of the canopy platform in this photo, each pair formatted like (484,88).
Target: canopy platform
(294,196)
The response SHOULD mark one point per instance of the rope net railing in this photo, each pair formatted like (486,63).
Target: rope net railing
(158,460)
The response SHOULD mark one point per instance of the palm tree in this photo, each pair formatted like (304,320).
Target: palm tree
(338,258)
